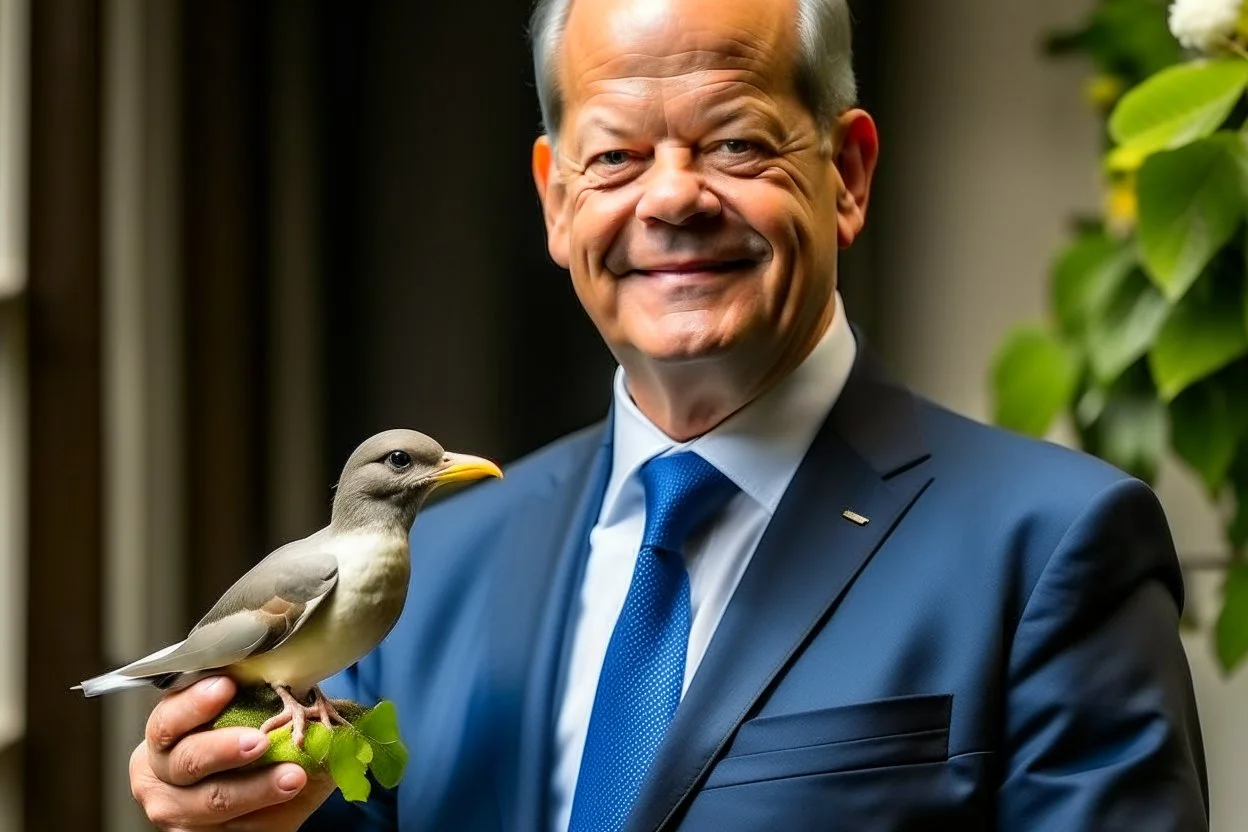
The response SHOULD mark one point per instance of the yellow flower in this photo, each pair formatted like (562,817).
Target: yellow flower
(1122,205)
(1103,90)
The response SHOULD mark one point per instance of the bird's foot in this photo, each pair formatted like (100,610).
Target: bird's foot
(297,714)
(325,710)
(293,712)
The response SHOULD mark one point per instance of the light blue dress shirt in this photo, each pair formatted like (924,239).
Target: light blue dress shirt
(759,448)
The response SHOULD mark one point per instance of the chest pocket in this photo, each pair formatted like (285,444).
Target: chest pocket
(903,730)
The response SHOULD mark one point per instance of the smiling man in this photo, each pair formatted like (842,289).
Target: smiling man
(773,589)
(697,200)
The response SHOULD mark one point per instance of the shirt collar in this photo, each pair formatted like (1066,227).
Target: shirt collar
(760,447)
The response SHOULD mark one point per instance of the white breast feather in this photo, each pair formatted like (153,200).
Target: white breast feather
(373,570)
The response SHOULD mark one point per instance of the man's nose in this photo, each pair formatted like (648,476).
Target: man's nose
(675,192)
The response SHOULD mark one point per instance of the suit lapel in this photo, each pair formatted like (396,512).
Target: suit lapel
(807,558)
(548,537)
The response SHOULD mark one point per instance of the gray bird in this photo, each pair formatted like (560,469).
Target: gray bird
(315,606)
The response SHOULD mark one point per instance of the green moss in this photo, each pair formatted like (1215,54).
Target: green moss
(371,743)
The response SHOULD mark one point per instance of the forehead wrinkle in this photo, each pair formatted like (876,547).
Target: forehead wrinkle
(640,95)
(678,72)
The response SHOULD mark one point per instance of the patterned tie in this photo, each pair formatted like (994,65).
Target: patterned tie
(644,669)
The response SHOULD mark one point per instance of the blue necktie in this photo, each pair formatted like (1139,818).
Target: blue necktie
(644,668)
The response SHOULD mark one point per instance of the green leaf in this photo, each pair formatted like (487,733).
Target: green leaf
(389,755)
(344,750)
(389,761)
(363,749)
(1231,633)
(1207,422)
(1090,406)
(1237,529)
(1237,532)
(1204,333)
(1178,105)
(346,769)
(1086,275)
(380,724)
(1034,377)
(1133,435)
(1191,201)
(1130,431)
(316,741)
(1124,330)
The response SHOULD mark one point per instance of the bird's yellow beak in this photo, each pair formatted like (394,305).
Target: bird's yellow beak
(461,467)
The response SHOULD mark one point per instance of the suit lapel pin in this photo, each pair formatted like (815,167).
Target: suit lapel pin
(855,517)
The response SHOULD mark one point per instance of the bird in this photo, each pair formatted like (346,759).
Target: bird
(316,605)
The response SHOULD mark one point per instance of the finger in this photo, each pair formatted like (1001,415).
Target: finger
(180,713)
(288,816)
(209,752)
(180,754)
(223,798)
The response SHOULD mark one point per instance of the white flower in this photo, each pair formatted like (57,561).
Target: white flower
(1204,24)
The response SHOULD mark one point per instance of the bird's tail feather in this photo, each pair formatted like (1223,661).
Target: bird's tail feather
(110,682)
(120,679)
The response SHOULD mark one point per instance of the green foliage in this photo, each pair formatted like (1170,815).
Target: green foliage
(1238,529)
(1122,331)
(1178,105)
(1129,427)
(1036,375)
(370,744)
(1207,425)
(1191,201)
(1204,333)
(389,754)
(1232,627)
(1086,277)
(1148,349)
(347,761)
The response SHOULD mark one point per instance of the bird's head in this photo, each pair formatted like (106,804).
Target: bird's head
(391,474)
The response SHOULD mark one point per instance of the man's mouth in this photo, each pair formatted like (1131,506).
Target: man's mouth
(693,267)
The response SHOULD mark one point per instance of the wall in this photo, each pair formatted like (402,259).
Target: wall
(988,149)
(13,32)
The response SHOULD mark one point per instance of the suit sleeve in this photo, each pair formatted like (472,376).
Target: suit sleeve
(1101,724)
(378,814)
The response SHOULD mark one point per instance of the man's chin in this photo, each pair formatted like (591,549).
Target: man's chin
(685,349)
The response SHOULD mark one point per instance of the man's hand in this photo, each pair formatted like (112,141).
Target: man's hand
(184,778)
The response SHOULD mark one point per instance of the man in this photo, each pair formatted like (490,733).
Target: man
(773,589)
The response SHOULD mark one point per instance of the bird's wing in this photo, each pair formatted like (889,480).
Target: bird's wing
(261,610)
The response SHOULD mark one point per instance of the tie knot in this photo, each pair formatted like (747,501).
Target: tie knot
(682,491)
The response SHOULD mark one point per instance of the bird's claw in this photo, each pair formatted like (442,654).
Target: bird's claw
(297,714)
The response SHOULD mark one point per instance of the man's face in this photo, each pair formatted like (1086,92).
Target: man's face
(691,195)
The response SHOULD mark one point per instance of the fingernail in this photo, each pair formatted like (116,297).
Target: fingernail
(288,782)
(248,743)
(215,685)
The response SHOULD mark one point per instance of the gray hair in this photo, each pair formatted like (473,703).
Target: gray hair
(824,71)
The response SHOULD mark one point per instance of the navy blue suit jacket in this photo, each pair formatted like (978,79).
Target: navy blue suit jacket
(997,648)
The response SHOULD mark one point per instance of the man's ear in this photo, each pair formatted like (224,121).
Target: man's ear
(553,193)
(856,157)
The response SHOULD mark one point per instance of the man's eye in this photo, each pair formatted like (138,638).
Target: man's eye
(737,147)
(614,158)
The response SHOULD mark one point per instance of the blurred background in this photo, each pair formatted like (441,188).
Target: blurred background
(238,237)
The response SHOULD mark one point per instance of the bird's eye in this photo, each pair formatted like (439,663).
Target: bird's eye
(399,459)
